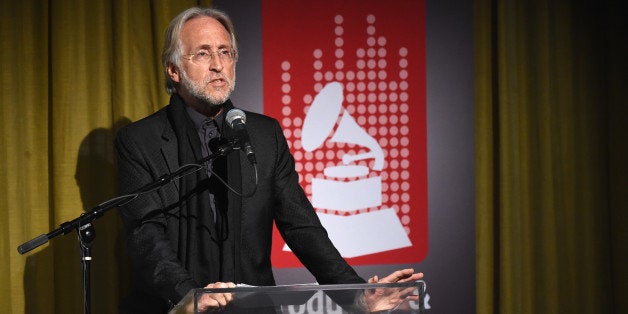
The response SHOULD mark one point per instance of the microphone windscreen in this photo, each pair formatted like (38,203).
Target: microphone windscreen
(235,114)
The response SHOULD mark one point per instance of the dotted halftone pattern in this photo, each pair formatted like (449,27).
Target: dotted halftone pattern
(376,96)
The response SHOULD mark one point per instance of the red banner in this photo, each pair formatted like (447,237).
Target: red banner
(346,80)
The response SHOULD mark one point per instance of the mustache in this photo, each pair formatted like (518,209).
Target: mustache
(218,76)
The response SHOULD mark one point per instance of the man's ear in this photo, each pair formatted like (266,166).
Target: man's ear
(173,72)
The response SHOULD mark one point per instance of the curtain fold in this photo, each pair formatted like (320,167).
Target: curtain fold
(24,149)
(543,158)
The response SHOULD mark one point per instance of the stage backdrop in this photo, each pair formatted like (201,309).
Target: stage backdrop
(376,102)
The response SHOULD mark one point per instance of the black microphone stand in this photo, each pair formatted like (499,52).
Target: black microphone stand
(86,232)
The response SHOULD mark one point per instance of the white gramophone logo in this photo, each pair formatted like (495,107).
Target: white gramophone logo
(349,187)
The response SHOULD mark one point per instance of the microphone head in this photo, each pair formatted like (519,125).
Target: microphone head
(235,114)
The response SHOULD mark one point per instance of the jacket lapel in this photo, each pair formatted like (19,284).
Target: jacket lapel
(169,151)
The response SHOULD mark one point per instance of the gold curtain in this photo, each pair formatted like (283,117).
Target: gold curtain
(550,157)
(72,73)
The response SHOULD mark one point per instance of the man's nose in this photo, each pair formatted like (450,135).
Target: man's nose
(215,64)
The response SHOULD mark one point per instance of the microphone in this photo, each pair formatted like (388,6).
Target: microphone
(237,120)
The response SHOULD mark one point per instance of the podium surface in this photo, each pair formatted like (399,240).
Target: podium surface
(404,297)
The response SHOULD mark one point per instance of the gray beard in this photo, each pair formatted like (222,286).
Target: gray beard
(197,90)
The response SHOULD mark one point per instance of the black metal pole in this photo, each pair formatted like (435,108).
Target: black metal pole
(86,234)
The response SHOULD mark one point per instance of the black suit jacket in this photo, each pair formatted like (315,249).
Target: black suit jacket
(147,149)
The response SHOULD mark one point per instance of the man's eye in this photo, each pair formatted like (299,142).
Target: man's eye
(202,53)
(223,52)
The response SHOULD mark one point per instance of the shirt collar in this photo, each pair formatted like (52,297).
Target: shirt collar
(199,118)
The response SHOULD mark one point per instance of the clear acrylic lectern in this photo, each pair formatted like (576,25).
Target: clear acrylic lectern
(404,297)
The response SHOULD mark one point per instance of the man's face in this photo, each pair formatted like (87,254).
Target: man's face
(209,82)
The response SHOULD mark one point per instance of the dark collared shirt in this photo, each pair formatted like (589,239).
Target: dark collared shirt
(207,129)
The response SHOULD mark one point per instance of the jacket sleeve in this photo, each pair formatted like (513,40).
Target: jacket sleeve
(301,228)
(154,261)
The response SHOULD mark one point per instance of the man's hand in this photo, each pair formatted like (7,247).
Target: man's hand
(214,301)
(403,275)
(383,299)
(208,302)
